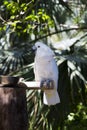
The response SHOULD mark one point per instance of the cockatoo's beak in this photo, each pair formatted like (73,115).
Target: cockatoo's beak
(34,48)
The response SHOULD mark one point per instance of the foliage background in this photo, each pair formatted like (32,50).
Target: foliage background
(62,24)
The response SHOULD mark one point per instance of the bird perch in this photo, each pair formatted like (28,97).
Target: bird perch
(6,81)
(36,85)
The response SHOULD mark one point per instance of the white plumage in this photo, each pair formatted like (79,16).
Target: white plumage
(45,68)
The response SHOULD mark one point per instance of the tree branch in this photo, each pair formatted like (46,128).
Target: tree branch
(60,31)
(2,19)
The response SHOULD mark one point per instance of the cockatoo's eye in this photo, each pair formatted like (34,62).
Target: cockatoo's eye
(38,46)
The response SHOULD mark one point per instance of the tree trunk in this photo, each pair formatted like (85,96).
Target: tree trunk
(13,109)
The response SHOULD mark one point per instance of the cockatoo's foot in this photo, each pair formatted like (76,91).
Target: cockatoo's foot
(42,84)
(47,84)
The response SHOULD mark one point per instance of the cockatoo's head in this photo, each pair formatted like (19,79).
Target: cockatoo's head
(42,50)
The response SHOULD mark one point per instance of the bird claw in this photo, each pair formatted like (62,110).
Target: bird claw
(47,84)
(42,83)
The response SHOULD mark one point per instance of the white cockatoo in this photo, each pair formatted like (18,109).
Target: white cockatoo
(45,68)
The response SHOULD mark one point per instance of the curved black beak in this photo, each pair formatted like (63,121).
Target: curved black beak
(34,49)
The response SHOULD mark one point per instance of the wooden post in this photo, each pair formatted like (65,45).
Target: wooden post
(13,106)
